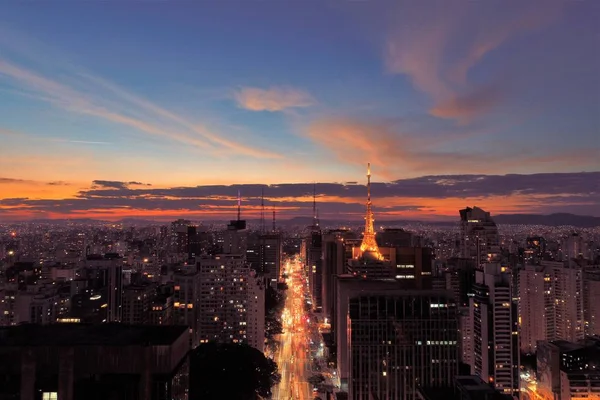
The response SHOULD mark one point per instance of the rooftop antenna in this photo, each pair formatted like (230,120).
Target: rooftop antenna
(315,222)
(239,204)
(262,210)
(274,228)
(318,222)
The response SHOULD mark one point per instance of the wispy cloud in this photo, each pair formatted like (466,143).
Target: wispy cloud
(438,46)
(397,151)
(275,98)
(125,109)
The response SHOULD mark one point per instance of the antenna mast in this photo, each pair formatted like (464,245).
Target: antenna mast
(274,228)
(239,204)
(262,210)
(315,218)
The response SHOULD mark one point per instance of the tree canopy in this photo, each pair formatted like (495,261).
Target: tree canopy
(230,371)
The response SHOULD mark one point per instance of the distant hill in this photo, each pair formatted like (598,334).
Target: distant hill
(559,219)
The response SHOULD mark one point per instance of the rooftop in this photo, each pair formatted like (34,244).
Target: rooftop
(84,334)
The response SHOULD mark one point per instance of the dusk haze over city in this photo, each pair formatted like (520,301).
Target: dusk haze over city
(300,200)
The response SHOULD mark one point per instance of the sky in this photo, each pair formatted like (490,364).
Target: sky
(160,109)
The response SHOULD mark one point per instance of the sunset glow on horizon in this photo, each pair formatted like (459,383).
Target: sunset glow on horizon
(159,110)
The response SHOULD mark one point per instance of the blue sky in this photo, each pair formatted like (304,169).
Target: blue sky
(195,93)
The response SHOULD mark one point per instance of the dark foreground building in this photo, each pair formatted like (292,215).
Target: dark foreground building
(93,362)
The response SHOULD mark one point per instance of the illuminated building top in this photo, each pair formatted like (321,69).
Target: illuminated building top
(369,246)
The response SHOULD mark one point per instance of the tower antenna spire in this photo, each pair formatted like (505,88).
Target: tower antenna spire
(369,244)
(274,228)
(315,218)
(262,210)
(239,206)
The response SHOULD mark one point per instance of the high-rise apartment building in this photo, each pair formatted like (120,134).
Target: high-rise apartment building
(334,263)
(264,253)
(536,307)
(479,239)
(495,329)
(313,248)
(574,246)
(186,301)
(255,328)
(235,238)
(179,236)
(591,292)
(137,303)
(567,288)
(226,287)
(105,273)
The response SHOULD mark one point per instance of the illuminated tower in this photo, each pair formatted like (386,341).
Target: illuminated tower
(369,244)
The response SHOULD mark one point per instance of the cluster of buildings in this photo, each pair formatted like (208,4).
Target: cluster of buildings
(211,284)
(406,323)
(424,314)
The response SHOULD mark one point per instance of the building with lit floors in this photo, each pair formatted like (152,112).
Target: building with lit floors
(179,236)
(495,329)
(568,370)
(400,341)
(105,273)
(264,254)
(479,238)
(591,292)
(186,300)
(255,327)
(334,263)
(536,307)
(137,303)
(376,317)
(312,254)
(226,287)
(568,295)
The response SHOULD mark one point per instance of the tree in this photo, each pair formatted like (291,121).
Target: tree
(230,371)
(316,379)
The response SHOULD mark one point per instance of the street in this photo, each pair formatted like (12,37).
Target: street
(294,355)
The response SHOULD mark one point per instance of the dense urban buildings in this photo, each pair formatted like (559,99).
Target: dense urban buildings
(391,313)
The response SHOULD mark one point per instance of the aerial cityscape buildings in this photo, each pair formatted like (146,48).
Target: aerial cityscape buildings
(406,313)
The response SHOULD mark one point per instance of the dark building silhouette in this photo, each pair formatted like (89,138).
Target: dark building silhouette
(93,362)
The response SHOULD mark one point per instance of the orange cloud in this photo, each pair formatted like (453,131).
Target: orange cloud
(272,99)
(395,153)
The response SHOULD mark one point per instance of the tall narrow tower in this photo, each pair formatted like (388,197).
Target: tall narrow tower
(369,244)
(239,206)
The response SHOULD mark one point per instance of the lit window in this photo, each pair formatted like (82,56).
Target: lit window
(50,396)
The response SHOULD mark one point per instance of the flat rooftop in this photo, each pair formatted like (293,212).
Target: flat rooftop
(89,335)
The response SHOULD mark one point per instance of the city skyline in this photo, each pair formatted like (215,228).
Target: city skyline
(159,111)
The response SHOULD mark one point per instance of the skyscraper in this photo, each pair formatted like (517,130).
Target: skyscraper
(495,329)
(186,298)
(536,307)
(311,252)
(264,254)
(106,274)
(397,340)
(479,238)
(179,236)
(592,302)
(230,304)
